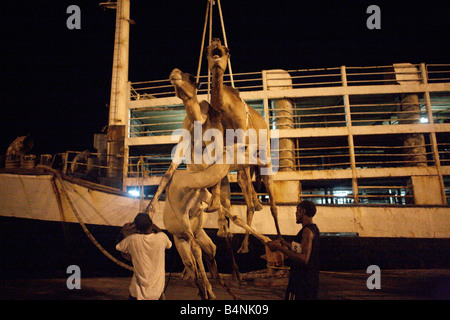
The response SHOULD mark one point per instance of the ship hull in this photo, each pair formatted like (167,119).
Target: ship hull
(41,236)
(37,196)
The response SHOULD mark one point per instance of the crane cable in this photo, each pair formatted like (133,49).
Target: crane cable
(209,14)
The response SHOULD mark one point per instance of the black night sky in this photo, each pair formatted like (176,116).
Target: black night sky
(56,82)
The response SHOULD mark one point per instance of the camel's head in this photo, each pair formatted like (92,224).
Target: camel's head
(184,83)
(186,89)
(217,55)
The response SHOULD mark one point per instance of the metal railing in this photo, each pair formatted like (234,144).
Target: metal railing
(319,198)
(444,153)
(385,194)
(310,116)
(322,157)
(163,119)
(308,78)
(447,188)
(393,156)
(250,81)
(91,165)
(438,72)
(385,114)
(153,165)
(383,190)
(382,108)
(440,108)
(155,121)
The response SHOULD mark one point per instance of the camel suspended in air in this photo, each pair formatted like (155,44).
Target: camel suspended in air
(186,196)
(186,89)
(202,114)
(236,114)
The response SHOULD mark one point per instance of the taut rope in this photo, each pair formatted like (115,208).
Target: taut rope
(209,16)
(80,221)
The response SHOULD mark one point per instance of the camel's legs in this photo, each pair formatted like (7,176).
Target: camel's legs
(238,221)
(235,274)
(245,182)
(209,252)
(197,251)
(187,250)
(184,249)
(151,208)
(256,202)
(244,244)
(223,229)
(268,182)
(226,204)
(214,205)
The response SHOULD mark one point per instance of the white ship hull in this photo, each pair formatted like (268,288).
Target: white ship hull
(36,197)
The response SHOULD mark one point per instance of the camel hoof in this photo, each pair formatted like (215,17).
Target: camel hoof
(211,209)
(224,230)
(224,233)
(243,249)
(211,296)
(214,205)
(185,275)
(236,276)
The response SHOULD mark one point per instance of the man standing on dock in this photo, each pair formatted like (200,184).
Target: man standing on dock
(147,250)
(304,254)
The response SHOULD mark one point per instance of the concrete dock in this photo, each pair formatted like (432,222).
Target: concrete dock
(401,284)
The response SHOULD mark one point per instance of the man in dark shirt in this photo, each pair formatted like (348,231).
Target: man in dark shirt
(304,254)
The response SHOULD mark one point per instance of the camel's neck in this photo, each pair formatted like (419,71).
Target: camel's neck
(203,179)
(193,111)
(217,91)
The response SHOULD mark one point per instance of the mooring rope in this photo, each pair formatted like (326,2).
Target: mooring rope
(80,221)
(100,247)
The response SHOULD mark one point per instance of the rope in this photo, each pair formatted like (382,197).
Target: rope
(211,3)
(202,46)
(225,41)
(209,14)
(88,233)
(141,186)
(98,245)
(80,221)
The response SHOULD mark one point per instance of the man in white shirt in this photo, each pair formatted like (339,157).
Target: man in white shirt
(147,250)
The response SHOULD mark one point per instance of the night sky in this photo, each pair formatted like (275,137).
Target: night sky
(56,82)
